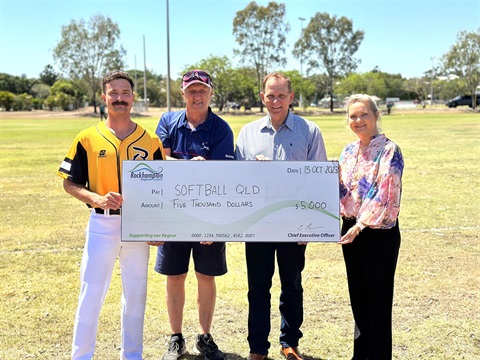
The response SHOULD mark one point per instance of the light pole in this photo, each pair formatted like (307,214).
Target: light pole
(168,61)
(136,72)
(431,82)
(301,66)
(144,75)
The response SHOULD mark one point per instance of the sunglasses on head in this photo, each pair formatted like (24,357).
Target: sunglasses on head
(197,75)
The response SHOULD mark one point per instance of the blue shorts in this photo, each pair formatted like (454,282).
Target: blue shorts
(173,258)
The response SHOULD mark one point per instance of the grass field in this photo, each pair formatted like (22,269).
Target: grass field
(436,312)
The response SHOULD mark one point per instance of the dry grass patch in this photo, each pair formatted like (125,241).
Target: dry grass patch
(437,289)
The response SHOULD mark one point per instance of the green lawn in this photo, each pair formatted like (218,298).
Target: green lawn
(435,312)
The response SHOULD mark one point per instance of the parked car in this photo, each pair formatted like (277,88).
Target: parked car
(462,100)
(325,102)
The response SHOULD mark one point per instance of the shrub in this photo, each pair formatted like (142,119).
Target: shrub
(37,103)
(23,102)
(6,100)
(60,100)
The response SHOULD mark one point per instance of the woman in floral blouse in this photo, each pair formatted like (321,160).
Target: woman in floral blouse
(370,190)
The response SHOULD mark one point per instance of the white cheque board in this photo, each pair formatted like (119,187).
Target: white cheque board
(260,201)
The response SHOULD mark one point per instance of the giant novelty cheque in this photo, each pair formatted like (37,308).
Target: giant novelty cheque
(292,201)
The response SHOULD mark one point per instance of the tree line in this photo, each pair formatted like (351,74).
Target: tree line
(327,45)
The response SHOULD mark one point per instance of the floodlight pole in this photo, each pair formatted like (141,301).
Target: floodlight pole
(136,88)
(144,72)
(301,66)
(168,61)
(431,83)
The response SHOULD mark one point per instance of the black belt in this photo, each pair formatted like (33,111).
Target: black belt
(111,211)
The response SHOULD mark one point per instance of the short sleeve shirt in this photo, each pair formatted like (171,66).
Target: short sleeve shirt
(212,139)
(96,155)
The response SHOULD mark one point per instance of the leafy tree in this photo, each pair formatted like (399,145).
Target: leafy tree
(90,50)
(261,33)
(244,90)
(352,84)
(296,80)
(6,100)
(37,103)
(448,89)
(375,84)
(463,60)
(156,96)
(176,99)
(417,86)
(309,92)
(50,102)
(63,86)
(322,85)
(156,87)
(329,43)
(137,76)
(8,83)
(60,100)
(40,91)
(298,83)
(68,94)
(82,89)
(16,84)
(23,102)
(48,75)
(393,85)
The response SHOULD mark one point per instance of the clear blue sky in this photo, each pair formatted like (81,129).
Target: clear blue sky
(401,36)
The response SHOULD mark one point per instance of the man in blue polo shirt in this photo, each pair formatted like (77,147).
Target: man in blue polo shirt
(195,133)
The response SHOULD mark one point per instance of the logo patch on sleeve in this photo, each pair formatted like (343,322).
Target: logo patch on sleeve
(102,153)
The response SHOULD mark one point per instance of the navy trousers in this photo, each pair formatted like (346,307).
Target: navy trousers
(371,260)
(260,268)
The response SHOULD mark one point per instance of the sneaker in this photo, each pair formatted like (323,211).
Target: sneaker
(207,347)
(176,348)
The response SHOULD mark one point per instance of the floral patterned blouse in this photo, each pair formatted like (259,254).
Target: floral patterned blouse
(371,182)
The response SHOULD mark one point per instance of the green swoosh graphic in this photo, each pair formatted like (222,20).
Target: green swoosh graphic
(240,225)
(173,216)
(256,216)
(144,165)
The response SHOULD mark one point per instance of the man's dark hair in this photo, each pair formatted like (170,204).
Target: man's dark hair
(114,75)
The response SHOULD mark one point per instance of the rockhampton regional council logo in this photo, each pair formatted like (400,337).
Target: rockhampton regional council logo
(145,173)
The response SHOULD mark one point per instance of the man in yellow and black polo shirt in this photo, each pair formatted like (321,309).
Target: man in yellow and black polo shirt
(92,172)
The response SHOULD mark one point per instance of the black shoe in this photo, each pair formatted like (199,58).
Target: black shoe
(207,347)
(176,348)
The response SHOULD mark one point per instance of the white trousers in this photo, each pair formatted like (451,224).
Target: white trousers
(102,247)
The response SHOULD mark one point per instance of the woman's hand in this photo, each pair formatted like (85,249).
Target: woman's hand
(351,234)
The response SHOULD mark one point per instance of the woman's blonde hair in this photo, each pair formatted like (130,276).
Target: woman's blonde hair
(365,99)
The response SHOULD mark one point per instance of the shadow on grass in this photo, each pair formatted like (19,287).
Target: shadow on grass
(233,356)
